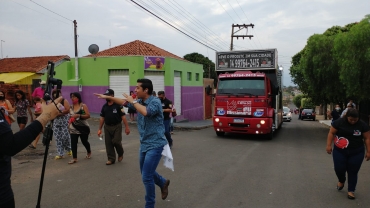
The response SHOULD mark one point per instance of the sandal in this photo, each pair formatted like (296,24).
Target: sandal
(120,158)
(31,146)
(69,153)
(88,156)
(351,196)
(72,161)
(109,162)
(58,157)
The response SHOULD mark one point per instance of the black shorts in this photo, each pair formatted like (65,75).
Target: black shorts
(22,120)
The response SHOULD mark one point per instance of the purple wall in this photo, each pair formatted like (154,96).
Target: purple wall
(192,103)
(191,99)
(93,103)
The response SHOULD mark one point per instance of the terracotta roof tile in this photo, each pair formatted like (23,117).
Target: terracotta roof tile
(138,48)
(28,64)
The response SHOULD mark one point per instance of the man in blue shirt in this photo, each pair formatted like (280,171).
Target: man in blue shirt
(152,139)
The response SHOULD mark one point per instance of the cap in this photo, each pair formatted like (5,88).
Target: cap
(109,92)
(42,82)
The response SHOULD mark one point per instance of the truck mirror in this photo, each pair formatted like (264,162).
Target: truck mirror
(208,90)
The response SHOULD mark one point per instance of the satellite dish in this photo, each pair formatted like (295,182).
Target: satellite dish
(94,49)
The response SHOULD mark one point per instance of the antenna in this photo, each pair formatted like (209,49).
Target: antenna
(94,49)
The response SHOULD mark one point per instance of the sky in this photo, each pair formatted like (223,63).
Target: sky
(44,27)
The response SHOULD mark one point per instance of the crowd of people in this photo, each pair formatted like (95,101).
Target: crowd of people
(70,122)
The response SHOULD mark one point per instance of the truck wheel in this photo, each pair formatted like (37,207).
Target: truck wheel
(270,135)
(220,133)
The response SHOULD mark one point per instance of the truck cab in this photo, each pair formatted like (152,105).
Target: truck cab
(248,100)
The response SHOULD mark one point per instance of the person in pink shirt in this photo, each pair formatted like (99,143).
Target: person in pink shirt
(39,91)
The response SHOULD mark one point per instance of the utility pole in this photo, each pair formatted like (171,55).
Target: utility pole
(76,52)
(2,49)
(209,71)
(240,27)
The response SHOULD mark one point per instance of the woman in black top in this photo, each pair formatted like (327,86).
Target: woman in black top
(349,134)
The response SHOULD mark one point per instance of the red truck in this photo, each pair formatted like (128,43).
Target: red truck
(249,97)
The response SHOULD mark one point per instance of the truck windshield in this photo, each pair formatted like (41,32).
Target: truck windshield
(241,86)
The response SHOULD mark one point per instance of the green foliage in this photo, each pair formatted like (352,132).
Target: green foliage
(208,65)
(333,66)
(307,103)
(297,100)
(352,50)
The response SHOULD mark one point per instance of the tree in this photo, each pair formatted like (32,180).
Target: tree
(316,69)
(297,100)
(208,65)
(352,50)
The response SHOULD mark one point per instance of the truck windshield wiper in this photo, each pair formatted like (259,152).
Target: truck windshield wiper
(244,93)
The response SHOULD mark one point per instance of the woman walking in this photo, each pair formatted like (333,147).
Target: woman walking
(349,134)
(60,128)
(6,107)
(22,105)
(78,126)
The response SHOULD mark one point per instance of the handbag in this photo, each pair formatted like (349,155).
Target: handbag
(174,112)
(12,119)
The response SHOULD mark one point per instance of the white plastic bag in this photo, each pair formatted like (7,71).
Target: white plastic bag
(167,157)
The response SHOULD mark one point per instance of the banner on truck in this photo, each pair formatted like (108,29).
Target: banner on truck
(245,59)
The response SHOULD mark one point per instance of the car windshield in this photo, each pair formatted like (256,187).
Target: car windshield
(308,110)
(286,110)
(241,86)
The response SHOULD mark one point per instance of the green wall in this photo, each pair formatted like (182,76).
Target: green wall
(95,72)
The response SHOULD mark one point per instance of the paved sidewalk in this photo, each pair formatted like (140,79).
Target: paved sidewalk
(178,126)
(322,120)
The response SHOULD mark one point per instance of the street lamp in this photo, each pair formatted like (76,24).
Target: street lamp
(2,48)
(281,68)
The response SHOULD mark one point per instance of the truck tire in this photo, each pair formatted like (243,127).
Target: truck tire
(270,135)
(220,133)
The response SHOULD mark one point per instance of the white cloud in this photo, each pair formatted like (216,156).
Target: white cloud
(284,24)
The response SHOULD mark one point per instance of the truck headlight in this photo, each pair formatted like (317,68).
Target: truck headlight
(262,121)
(217,119)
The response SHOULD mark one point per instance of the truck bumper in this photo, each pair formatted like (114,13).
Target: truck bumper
(242,125)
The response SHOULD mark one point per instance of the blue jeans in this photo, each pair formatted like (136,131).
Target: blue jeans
(148,164)
(167,131)
(171,125)
(348,160)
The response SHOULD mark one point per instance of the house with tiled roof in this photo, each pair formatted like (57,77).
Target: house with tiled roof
(24,73)
(119,67)
(25,70)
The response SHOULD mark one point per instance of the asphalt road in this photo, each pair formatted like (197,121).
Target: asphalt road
(292,170)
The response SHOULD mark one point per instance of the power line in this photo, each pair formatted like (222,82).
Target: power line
(39,12)
(171,25)
(250,21)
(201,24)
(164,16)
(234,11)
(195,32)
(181,11)
(51,11)
(226,11)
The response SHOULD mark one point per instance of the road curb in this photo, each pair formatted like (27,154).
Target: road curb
(184,128)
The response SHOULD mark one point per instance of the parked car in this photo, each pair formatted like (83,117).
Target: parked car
(308,114)
(287,115)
